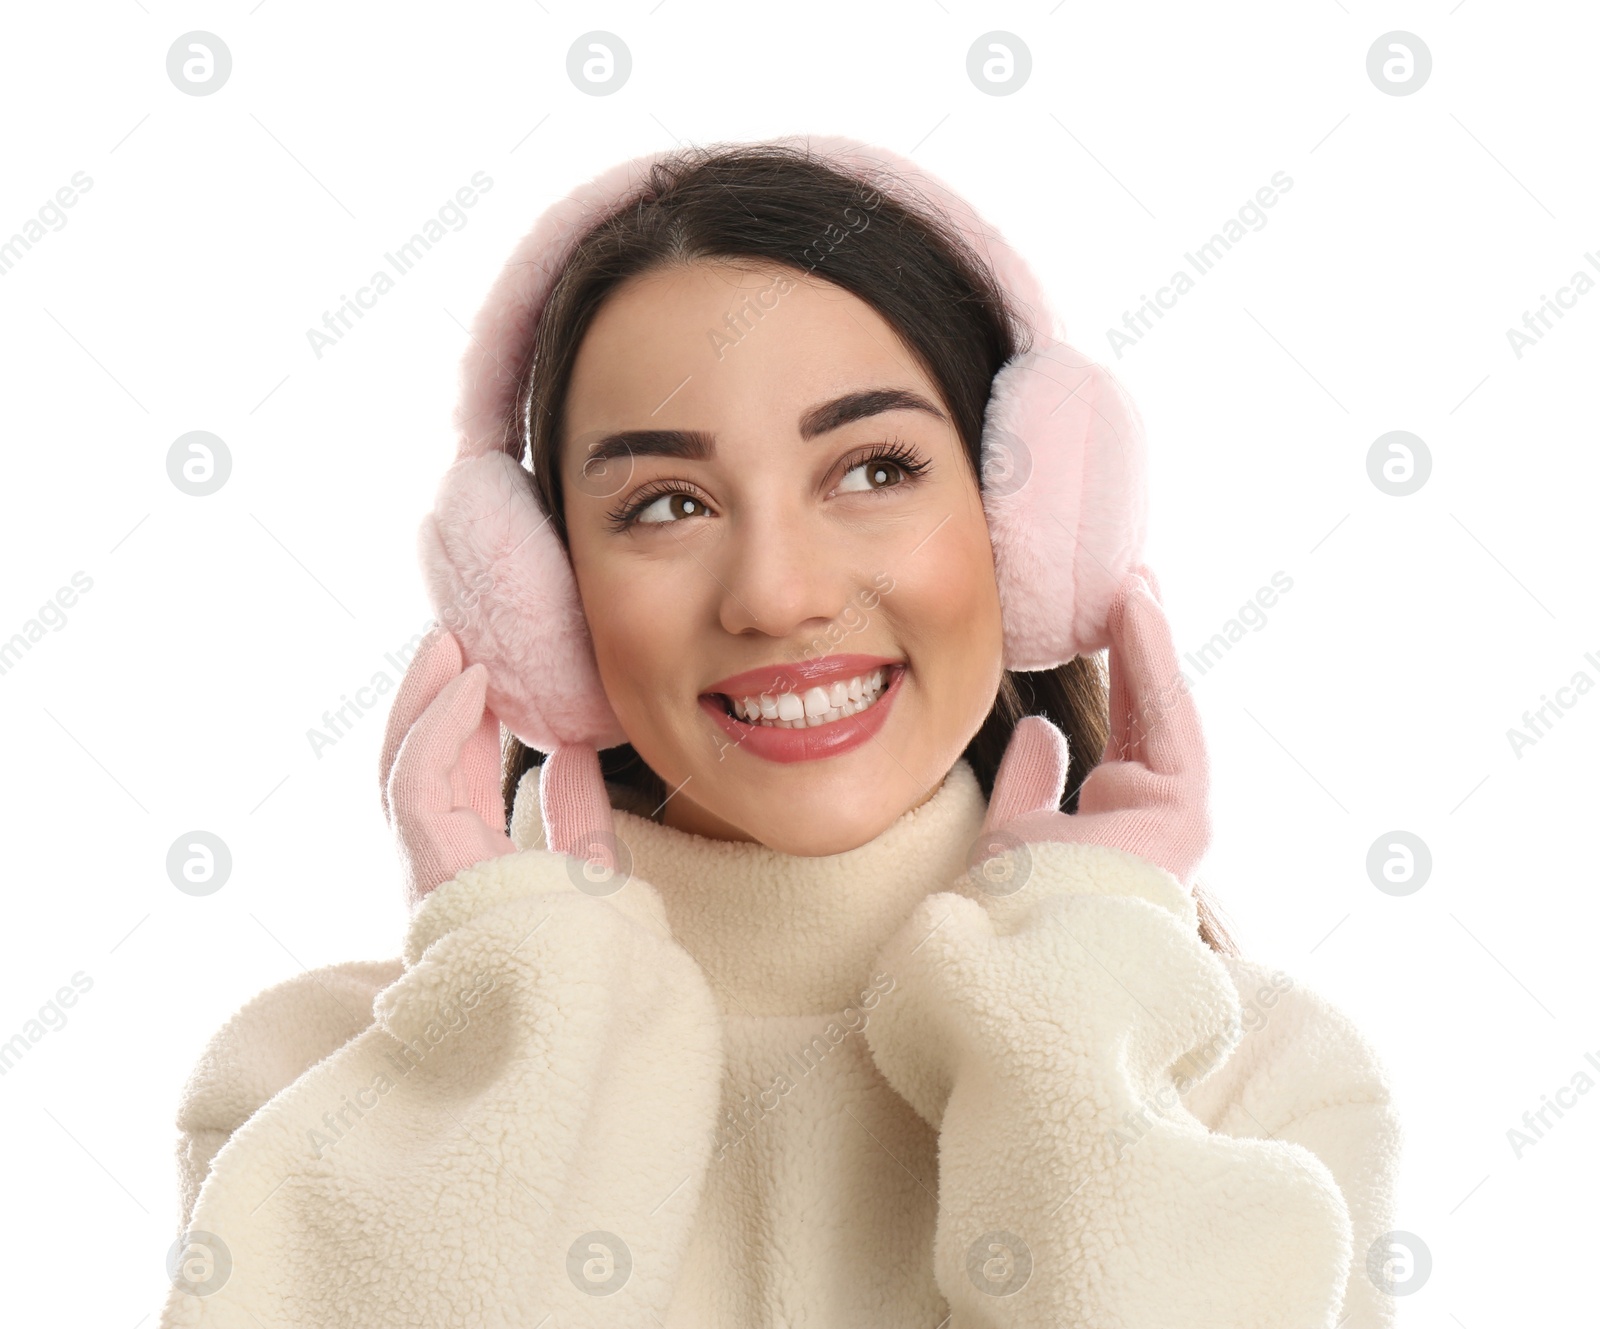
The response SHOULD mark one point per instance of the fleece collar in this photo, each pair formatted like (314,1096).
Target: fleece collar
(785,934)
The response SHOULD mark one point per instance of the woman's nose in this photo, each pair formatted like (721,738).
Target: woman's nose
(781,575)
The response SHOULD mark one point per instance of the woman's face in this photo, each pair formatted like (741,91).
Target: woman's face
(749,520)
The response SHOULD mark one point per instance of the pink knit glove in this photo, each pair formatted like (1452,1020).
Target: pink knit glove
(1149,794)
(440,769)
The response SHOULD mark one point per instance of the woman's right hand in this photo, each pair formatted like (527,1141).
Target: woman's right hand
(440,769)
(1150,793)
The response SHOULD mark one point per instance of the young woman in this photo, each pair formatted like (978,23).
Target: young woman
(841,962)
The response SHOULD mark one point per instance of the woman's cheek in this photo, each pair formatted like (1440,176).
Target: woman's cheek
(643,635)
(951,611)
(956,588)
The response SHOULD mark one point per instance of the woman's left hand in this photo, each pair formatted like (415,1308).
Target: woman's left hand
(440,768)
(1150,793)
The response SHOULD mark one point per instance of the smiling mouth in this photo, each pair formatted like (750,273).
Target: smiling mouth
(814,707)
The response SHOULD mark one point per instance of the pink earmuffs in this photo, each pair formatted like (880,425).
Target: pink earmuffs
(1063,491)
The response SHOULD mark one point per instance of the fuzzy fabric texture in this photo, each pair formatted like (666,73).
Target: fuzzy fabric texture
(500,581)
(1063,457)
(1065,497)
(741,1088)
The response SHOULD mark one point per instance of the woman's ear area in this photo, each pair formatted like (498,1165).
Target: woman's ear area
(1063,468)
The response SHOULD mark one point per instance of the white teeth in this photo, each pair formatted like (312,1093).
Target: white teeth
(816,705)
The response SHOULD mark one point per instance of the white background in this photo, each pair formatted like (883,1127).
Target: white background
(1378,696)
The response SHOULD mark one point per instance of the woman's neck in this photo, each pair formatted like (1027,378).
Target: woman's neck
(682,813)
(786,934)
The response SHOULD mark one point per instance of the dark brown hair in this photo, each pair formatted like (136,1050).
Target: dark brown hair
(772,204)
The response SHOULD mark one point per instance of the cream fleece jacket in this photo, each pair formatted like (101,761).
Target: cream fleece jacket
(750,1089)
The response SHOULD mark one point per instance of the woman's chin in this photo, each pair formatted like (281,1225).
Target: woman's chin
(794,793)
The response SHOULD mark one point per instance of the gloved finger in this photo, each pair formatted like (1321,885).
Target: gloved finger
(1166,726)
(1145,571)
(436,662)
(478,772)
(575,806)
(1119,786)
(1032,774)
(423,778)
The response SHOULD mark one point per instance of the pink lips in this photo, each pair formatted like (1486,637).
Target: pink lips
(825,740)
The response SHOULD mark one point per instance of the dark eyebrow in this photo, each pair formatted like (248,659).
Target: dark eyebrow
(698,445)
(855,406)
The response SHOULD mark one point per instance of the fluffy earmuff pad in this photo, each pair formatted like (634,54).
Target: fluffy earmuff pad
(1064,493)
(499,579)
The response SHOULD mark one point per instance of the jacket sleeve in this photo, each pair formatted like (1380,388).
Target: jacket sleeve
(1304,1073)
(1044,1021)
(525,1122)
(268,1044)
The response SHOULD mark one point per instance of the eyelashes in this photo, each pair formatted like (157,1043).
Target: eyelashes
(896,452)
(622,518)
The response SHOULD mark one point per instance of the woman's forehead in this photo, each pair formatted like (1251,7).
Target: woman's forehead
(676,347)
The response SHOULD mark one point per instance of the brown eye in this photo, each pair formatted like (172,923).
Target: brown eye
(669,508)
(888,468)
